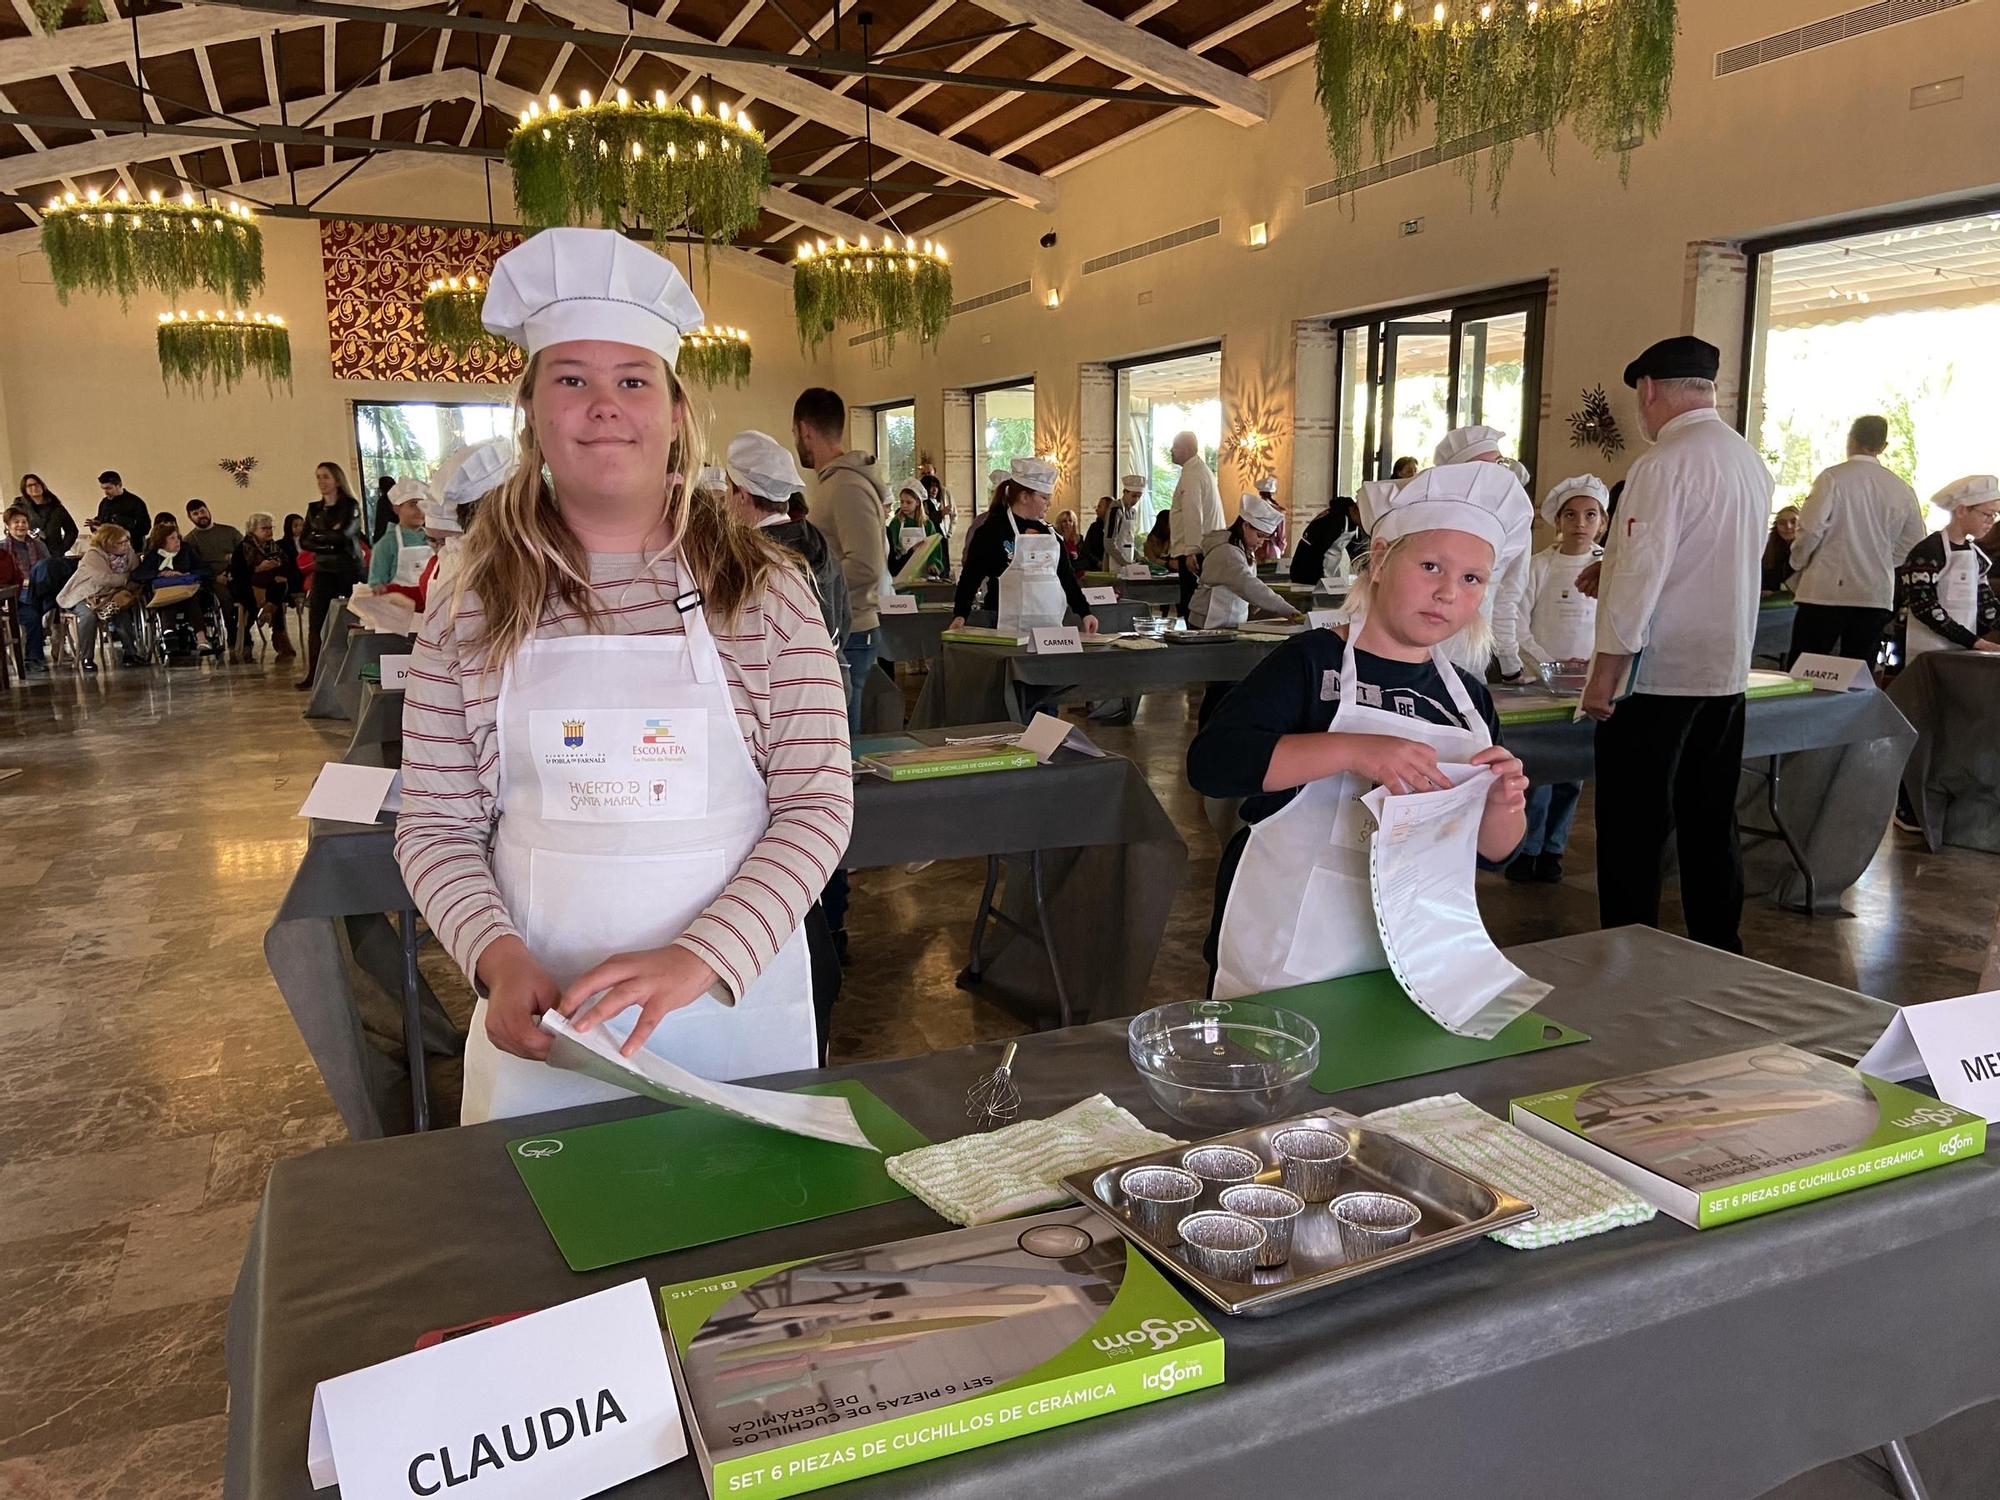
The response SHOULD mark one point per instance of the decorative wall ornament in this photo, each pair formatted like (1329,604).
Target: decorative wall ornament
(376,279)
(713,355)
(239,469)
(1498,68)
(169,246)
(1595,425)
(900,290)
(616,161)
(212,353)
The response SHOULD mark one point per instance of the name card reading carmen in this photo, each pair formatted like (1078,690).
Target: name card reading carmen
(1054,640)
(558,1405)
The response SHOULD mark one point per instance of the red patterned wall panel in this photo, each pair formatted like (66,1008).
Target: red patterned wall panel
(375,280)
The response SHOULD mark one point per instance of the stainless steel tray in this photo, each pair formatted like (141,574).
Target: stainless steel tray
(1458,1211)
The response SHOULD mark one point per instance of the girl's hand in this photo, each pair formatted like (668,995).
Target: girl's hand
(518,990)
(1401,765)
(1090,624)
(957,622)
(1509,789)
(659,981)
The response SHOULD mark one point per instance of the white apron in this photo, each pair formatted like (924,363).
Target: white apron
(1118,537)
(1216,608)
(411,560)
(1563,619)
(1031,592)
(628,799)
(1958,592)
(1299,909)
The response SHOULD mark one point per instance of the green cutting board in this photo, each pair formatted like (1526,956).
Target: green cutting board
(659,1182)
(1371,1032)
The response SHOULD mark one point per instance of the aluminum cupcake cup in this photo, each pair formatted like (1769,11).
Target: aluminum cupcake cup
(1369,1223)
(1222,1245)
(1158,1198)
(1275,1209)
(1219,1167)
(1309,1161)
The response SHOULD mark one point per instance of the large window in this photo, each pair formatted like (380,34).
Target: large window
(1899,319)
(896,443)
(1003,426)
(408,439)
(1409,376)
(1158,399)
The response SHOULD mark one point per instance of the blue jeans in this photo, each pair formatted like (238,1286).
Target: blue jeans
(1551,809)
(860,651)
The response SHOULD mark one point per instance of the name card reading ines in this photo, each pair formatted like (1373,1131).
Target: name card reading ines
(1055,640)
(1100,595)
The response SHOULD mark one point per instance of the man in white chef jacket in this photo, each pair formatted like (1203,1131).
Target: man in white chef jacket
(1502,600)
(1121,523)
(1676,613)
(1197,510)
(1855,529)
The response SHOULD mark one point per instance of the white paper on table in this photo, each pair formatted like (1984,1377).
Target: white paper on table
(391,614)
(595,1055)
(1047,734)
(1422,858)
(352,794)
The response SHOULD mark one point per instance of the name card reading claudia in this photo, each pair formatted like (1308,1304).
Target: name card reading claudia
(558,1405)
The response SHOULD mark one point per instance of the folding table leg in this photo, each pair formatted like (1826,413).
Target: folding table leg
(979,918)
(413,1026)
(1048,935)
(1785,833)
(1902,1465)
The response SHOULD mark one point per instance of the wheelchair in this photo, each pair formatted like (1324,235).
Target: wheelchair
(171,637)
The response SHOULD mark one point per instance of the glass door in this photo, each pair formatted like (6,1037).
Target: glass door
(1417,374)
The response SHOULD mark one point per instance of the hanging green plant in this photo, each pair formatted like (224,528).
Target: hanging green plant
(713,355)
(452,306)
(212,353)
(171,247)
(55,13)
(1492,71)
(897,290)
(616,161)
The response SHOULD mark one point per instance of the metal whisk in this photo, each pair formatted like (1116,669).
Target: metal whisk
(993,1100)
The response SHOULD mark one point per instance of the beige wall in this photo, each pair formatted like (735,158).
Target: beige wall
(1820,136)
(80,387)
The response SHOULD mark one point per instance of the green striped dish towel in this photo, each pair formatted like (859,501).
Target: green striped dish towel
(979,1178)
(1575,1200)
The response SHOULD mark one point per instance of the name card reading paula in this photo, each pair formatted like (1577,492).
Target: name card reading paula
(558,1405)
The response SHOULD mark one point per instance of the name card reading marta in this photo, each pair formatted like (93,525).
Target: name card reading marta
(558,1405)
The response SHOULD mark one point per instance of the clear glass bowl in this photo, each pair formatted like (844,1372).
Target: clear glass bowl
(1566,677)
(1223,1064)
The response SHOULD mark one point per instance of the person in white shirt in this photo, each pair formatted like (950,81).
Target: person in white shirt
(1197,510)
(1273,546)
(1502,601)
(1858,524)
(1555,621)
(1677,597)
(1121,524)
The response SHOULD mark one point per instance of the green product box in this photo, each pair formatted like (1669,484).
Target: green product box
(1749,1133)
(809,1373)
(932,761)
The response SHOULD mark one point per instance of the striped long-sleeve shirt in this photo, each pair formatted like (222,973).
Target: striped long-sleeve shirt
(785,684)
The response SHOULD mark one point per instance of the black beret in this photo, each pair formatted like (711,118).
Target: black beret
(1683,357)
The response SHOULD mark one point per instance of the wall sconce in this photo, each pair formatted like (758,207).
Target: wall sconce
(1054,298)
(1260,235)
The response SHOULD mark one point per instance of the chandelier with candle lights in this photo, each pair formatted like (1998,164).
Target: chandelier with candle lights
(171,246)
(1491,72)
(209,352)
(899,286)
(713,354)
(452,305)
(621,161)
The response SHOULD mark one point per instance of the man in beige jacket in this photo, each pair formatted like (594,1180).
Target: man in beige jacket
(850,507)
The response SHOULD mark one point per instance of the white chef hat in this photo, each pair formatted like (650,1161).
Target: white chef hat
(1519,470)
(1973,489)
(1268,486)
(485,467)
(1132,482)
(567,284)
(1463,444)
(711,478)
(763,466)
(1256,511)
(1482,499)
(409,489)
(1036,474)
(1583,484)
(1373,496)
(994,476)
(441,515)
(914,488)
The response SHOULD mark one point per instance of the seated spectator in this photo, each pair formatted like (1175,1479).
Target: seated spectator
(298,560)
(260,581)
(1157,539)
(1090,551)
(214,546)
(1777,564)
(175,586)
(101,592)
(30,562)
(1066,532)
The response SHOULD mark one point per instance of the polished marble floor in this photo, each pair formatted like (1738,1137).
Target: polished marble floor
(151,1076)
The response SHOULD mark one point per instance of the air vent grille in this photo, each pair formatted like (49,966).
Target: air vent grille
(1158,246)
(1841,28)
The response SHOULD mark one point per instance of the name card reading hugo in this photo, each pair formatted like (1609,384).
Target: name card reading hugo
(1832,674)
(1055,640)
(1956,1042)
(557,1405)
(395,673)
(1134,570)
(1100,595)
(896,604)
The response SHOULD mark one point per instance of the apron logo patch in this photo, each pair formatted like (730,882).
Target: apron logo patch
(656,793)
(657,742)
(572,735)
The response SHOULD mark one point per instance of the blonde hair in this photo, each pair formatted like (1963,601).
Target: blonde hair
(1474,641)
(110,538)
(521,555)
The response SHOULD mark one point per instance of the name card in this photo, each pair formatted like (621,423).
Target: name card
(1100,595)
(896,604)
(1055,640)
(1957,1042)
(1832,674)
(395,673)
(1134,570)
(352,794)
(1047,734)
(558,1405)
(1324,619)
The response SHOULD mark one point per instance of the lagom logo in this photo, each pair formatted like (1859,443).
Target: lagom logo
(1956,1142)
(1170,1376)
(1942,1114)
(1154,1333)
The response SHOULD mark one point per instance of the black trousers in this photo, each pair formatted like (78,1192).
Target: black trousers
(1837,630)
(1668,767)
(1185,572)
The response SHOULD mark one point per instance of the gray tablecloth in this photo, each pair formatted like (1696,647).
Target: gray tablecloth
(336,691)
(378,721)
(969,683)
(1111,858)
(1651,1363)
(915,637)
(324,702)
(1842,754)
(1953,775)
(1773,641)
